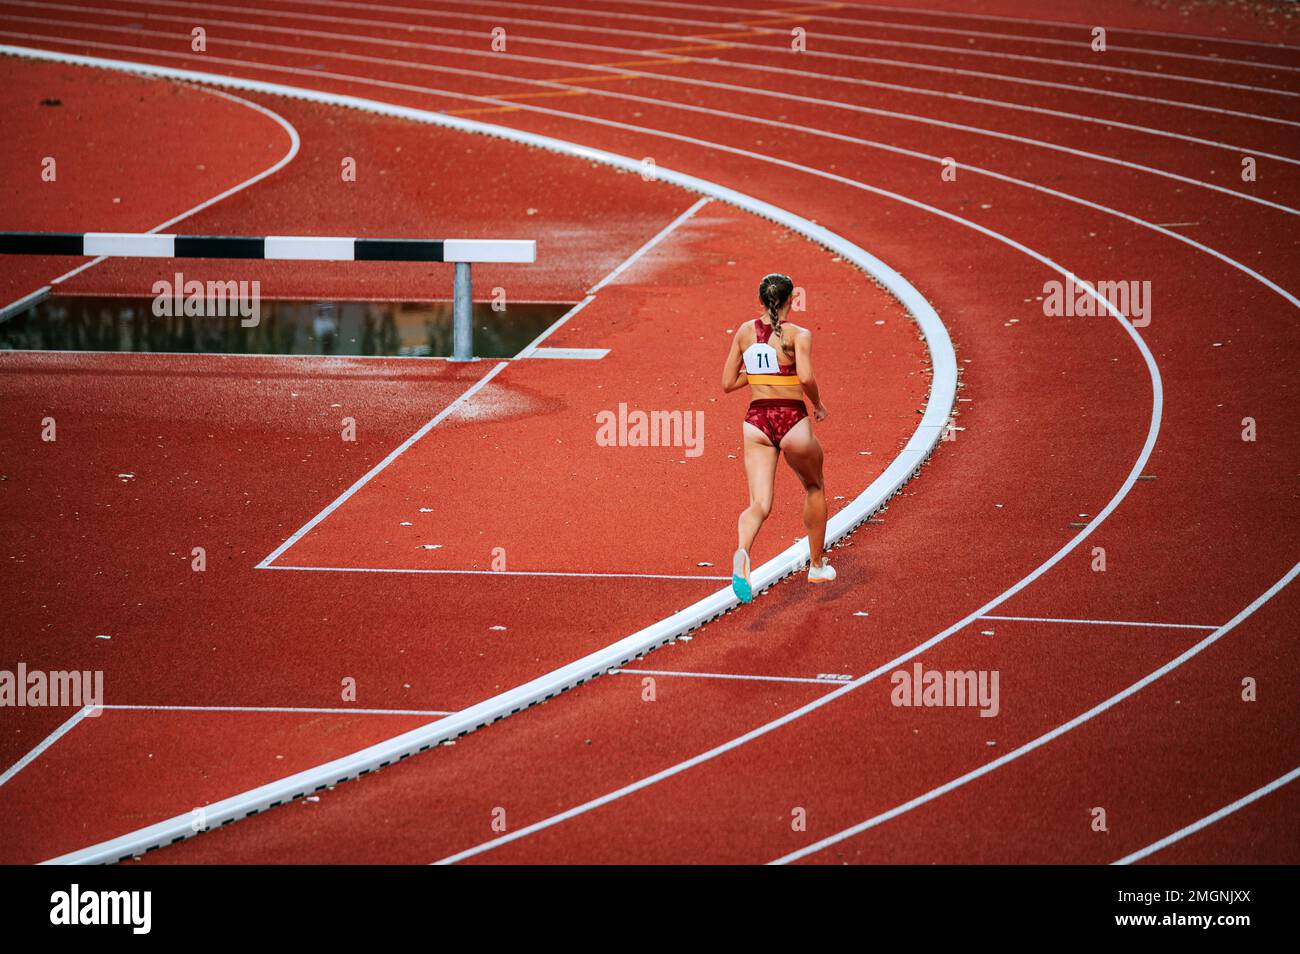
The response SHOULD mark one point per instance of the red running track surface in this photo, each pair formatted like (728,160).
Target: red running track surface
(241,451)
(1057,414)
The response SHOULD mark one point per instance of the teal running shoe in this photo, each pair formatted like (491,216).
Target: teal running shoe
(740,577)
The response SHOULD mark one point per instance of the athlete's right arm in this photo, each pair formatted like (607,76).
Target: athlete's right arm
(733,373)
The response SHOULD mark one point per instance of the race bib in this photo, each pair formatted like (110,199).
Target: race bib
(760,359)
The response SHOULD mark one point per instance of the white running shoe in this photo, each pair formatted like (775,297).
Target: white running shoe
(821,574)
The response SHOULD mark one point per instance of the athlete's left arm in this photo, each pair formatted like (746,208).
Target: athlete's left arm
(803,367)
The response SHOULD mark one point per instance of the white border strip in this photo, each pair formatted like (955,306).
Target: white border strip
(489,250)
(1210,819)
(142,245)
(943,389)
(308,248)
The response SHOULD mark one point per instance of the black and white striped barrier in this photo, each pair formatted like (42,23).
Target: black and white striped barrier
(460,252)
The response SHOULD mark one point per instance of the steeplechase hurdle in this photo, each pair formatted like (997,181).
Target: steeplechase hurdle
(461,252)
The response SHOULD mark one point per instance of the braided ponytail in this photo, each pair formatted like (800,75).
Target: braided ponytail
(773,292)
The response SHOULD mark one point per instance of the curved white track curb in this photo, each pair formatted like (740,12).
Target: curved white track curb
(943,390)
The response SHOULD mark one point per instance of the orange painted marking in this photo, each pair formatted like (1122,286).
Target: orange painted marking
(596,79)
(814,8)
(617,76)
(485,109)
(790,14)
(659,62)
(691,49)
(508,109)
(554,93)
(729,36)
(546,94)
(775,22)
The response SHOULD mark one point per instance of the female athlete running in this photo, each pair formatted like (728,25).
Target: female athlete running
(774,357)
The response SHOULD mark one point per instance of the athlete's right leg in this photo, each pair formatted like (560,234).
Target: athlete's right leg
(803,452)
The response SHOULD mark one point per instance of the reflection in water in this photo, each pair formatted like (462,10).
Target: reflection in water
(74,323)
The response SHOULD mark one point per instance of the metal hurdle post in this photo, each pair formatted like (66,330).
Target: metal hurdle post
(462,309)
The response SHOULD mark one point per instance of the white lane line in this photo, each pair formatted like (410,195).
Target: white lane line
(938,409)
(1194,37)
(898,150)
(822,54)
(49,740)
(1046,737)
(1060,65)
(909,118)
(841,37)
(1086,203)
(724,675)
(1084,38)
(1066,65)
(295,143)
(720,147)
(384,569)
(1210,819)
(1175,103)
(234,805)
(81,713)
(530,350)
(373,471)
(1076,44)
(19,305)
(341,710)
(1101,622)
(639,253)
(670,59)
(1205,249)
(1153,429)
(857,108)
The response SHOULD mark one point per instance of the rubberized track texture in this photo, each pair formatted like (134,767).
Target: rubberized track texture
(1080,442)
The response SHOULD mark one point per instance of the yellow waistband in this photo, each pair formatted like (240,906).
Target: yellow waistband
(779,380)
